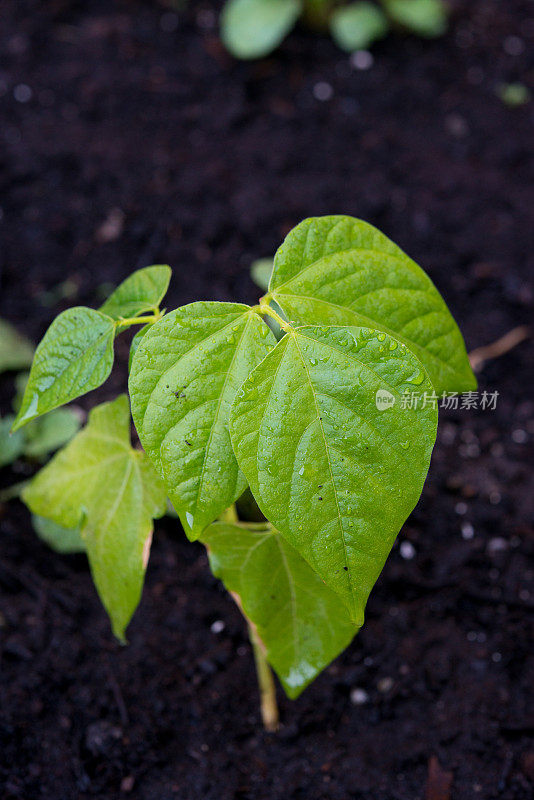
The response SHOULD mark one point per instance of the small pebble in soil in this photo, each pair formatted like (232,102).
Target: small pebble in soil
(323,91)
(127,784)
(467,530)
(218,626)
(407,550)
(385,685)
(22,93)
(362,59)
(497,545)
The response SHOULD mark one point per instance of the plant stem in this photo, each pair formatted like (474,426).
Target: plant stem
(265,308)
(125,322)
(230,515)
(269,708)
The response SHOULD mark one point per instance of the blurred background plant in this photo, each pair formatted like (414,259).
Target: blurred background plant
(254,28)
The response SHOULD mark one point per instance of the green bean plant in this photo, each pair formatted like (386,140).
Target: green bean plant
(254,28)
(296,402)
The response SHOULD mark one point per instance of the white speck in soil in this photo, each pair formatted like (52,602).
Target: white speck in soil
(358,697)
(407,550)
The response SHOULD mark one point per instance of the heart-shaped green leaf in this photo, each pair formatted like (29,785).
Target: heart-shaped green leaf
(297,617)
(74,356)
(142,291)
(341,271)
(253,28)
(16,352)
(184,377)
(100,483)
(331,465)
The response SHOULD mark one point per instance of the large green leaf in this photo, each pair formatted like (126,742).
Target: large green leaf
(341,271)
(253,28)
(100,483)
(423,17)
(184,377)
(16,352)
(298,618)
(142,291)
(357,25)
(332,467)
(74,356)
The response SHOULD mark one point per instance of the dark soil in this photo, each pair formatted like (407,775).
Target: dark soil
(141,141)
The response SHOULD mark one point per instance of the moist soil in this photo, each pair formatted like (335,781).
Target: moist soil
(130,137)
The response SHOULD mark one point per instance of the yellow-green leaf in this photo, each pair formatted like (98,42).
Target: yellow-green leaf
(142,291)
(334,469)
(99,483)
(74,357)
(339,270)
(297,617)
(184,377)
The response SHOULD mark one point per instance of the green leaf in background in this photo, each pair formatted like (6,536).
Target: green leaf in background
(423,17)
(142,291)
(51,432)
(11,444)
(136,342)
(339,270)
(184,377)
(60,539)
(297,617)
(260,272)
(253,28)
(74,356)
(100,483)
(16,352)
(330,467)
(357,25)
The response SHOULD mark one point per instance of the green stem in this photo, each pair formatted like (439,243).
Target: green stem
(230,515)
(126,322)
(267,310)
(269,708)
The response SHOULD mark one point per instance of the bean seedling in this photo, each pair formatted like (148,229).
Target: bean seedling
(254,28)
(298,399)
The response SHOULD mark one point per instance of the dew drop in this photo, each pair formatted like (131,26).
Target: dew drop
(417,378)
(189,518)
(313,361)
(392,344)
(381,337)
(301,471)
(405,445)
